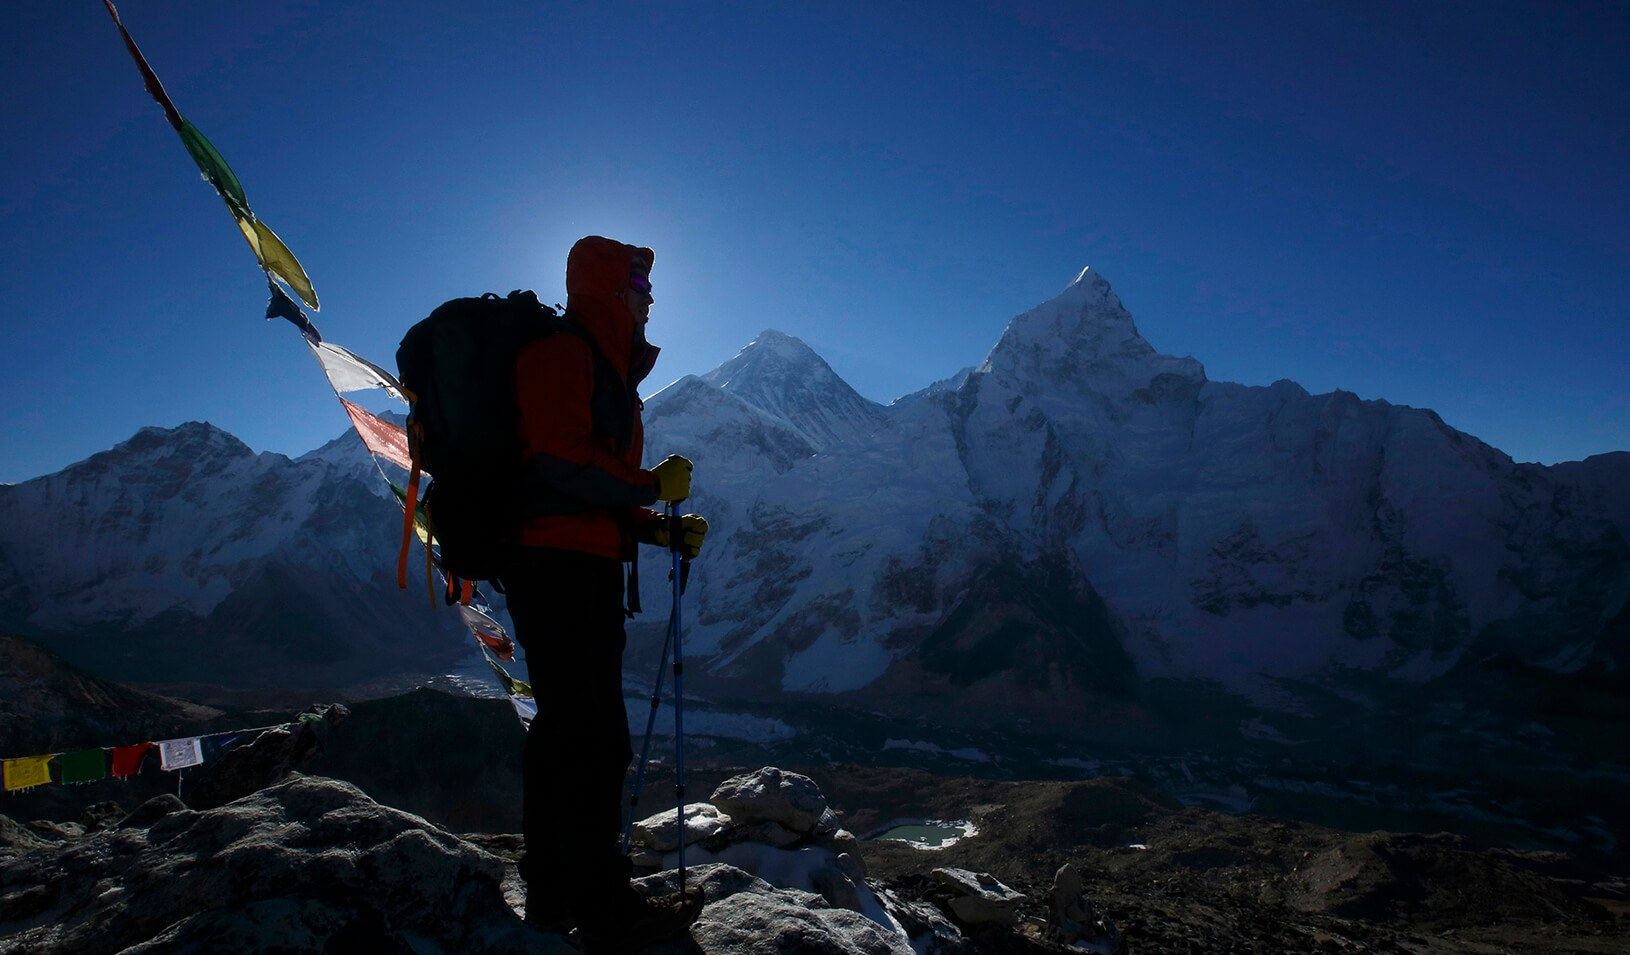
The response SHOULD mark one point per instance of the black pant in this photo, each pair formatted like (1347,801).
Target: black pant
(568,613)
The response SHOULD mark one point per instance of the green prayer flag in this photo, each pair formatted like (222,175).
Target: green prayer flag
(504,679)
(421,517)
(511,685)
(215,169)
(83,765)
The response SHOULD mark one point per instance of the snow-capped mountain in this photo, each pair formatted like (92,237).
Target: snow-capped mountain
(784,378)
(1081,511)
(1025,540)
(182,555)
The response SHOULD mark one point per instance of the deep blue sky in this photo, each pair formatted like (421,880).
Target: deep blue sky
(1421,202)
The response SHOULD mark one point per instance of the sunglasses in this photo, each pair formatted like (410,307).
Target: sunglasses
(639,282)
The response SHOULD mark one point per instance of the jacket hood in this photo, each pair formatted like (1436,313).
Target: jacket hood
(597,271)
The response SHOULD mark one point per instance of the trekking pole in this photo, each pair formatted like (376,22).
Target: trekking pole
(678,575)
(650,727)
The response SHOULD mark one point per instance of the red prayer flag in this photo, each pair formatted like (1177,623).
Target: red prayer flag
(502,647)
(380,436)
(155,89)
(127,759)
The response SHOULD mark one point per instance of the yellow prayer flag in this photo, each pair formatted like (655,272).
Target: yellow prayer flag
(26,772)
(276,258)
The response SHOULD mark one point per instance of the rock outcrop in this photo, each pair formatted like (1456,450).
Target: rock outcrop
(307,864)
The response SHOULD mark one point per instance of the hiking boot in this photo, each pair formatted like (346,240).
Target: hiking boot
(638,922)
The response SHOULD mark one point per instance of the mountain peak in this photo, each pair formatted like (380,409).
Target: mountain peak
(783,344)
(784,377)
(191,436)
(1089,289)
(1084,333)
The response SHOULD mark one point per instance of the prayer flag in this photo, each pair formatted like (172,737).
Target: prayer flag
(83,765)
(511,685)
(127,760)
(281,306)
(421,517)
(26,772)
(501,647)
(216,172)
(149,78)
(275,257)
(214,746)
(507,681)
(180,753)
(380,436)
(347,371)
(489,631)
(526,709)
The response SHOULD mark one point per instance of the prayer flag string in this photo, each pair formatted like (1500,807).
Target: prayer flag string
(344,370)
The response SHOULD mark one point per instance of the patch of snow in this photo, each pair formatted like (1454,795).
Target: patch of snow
(835,664)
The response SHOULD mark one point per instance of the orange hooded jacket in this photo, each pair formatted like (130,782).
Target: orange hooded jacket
(554,388)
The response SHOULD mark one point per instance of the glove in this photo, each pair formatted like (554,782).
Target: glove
(673,478)
(692,528)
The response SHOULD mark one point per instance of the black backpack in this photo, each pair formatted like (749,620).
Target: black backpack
(457,368)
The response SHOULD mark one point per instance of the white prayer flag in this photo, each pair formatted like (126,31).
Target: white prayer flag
(481,622)
(350,372)
(180,753)
(526,709)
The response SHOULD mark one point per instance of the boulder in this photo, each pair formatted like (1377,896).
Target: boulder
(978,898)
(772,795)
(102,815)
(660,833)
(931,933)
(1071,918)
(715,881)
(762,923)
(769,833)
(307,864)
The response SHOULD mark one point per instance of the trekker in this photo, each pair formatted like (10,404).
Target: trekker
(583,438)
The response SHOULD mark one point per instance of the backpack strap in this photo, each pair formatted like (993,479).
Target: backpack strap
(408,513)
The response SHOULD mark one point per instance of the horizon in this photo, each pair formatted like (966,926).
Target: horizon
(375,401)
(1422,206)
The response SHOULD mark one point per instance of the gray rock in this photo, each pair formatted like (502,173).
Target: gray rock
(56,831)
(103,815)
(152,811)
(978,898)
(660,833)
(16,837)
(808,869)
(931,933)
(268,758)
(836,887)
(844,843)
(769,833)
(714,881)
(1071,918)
(758,923)
(773,795)
(307,859)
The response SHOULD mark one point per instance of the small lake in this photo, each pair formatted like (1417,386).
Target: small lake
(927,833)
